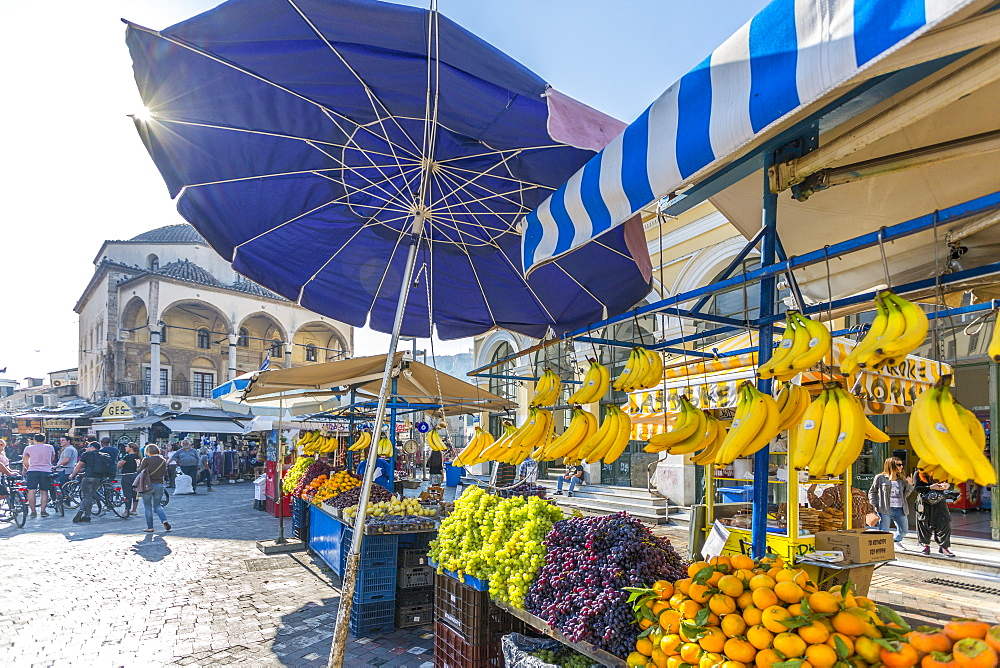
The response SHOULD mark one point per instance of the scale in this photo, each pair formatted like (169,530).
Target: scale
(410,446)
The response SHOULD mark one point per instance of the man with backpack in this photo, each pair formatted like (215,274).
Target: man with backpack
(96,467)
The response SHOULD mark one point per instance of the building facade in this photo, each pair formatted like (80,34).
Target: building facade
(165,319)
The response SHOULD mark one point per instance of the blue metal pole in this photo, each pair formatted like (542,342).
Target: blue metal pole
(758,524)
(392,437)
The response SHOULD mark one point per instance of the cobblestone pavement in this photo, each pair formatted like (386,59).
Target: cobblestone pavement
(107,594)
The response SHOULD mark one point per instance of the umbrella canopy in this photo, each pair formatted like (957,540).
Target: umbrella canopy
(306,140)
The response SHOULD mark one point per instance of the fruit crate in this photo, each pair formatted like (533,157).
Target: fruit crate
(409,558)
(375,584)
(417,576)
(372,619)
(414,615)
(475,583)
(471,614)
(376,551)
(452,651)
(415,596)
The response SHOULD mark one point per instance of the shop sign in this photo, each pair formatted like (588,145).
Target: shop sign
(117,409)
(63,423)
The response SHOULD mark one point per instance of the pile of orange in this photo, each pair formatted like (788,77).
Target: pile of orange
(734,612)
(339,482)
(309,490)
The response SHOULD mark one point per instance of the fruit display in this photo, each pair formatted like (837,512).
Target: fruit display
(494,539)
(755,424)
(733,611)
(316,442)
(608,442)
(385,447)
(588,563)
(394,515)
(294,474)
(564,658)
(948,439)
(336,484)
(393,506)
(582,425)
(309,491)
(793,400)
(470,455)
(547,389)
(899,328)
(352,496)
(363,440)
(643,370)
(320,467)
(832,433)
(434,441)
(595,384)
(524,489)
(804,343)
(693,430)
(516,444)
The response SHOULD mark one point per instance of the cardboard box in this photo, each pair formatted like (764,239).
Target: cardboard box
(859,547)
(861,577)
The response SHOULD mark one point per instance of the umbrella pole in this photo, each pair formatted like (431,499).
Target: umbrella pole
(350,578)
(281,476)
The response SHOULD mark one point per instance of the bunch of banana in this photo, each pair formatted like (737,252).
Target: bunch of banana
(514,446)
(316,442)
(897,330)
(595,384)
(832,432)
(608,442)
(581,427)
(793,400)
(946,435)
(755,424)
(711,448)
(804,343)
(384,448)
(691,431)
(363,441)
(434,441)
(643,370)
(993,350)
(470,453)
(547,389)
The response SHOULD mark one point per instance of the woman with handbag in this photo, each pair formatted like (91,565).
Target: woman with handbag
(933,515)
(888,495)
(149,484)
(128,465)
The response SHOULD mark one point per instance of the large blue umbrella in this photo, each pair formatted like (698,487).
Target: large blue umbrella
(374,163)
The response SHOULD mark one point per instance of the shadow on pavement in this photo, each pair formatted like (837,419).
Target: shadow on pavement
(151,547)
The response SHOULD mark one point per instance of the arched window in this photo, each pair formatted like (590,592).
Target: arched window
(243,340)
(502,387)
(153,263)
(163,333)
(310,352)
(277,349)
(204,339)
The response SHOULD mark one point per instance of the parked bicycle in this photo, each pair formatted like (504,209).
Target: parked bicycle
(14,508)
(107,497)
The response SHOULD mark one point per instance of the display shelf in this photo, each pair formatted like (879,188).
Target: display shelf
(599,655)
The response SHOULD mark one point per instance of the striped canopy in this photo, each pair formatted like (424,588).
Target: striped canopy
(792,56)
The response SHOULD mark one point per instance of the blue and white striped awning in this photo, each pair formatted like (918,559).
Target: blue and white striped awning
(791,55)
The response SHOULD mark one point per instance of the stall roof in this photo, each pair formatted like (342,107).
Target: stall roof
(202,426)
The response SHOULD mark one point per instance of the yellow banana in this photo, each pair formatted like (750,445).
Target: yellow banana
(654,376)
(993,350)
(697,438)
(780,353)
(639,372)
(771,425)
(894,328)
(594,385)
(600,441)
(851,439)
(914,330)
(628,373)
(873,433)
(574,435)
(621,440)
(829,434)
(982,471)
(808,431)
(931,439)
(707,456)
(818,347)
(793,400)
(746,430)
(684,426)
(849,365)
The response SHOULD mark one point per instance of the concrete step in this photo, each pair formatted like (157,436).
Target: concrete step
(611,493)
(591,507)
(963,563)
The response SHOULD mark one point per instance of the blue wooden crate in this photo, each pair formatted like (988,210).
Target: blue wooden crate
(325,538)
(475,583)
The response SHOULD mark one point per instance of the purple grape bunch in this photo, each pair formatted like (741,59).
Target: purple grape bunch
(352,496)
(588,561)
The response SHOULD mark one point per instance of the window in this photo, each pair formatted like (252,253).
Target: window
(310,353)
(204,339)
(277,349)
(502,387)
(153,263)
(147,380)
(163,334)
(243,340)
(203,384)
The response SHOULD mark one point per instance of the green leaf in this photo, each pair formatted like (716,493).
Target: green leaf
(891,645)
(701,618)
(845,588)
(806,608)
(843,651)
(646,632)
(791,663)
(648,614)
(704,574)
(797,621)
(885,612)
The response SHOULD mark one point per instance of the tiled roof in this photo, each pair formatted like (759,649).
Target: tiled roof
(186,270)
(171,234)
(244,285)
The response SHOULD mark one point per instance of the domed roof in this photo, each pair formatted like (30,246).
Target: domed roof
(243,284)
(171,234)
(188,271)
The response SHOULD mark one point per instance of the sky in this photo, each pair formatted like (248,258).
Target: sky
(75,173)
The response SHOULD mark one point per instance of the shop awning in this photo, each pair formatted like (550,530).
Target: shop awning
(114,426)
(202,426)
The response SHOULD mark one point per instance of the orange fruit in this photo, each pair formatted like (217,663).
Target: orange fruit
(963,628)
(993,637)
(676,661)
(713,640)
(972,653)
(689,631)
(659,659)
(796,575)
(696,567)
(865,602)
(721,604)
(676,600)
(867,649)
(689,609)
(813,633)
(773,617)
(764,598)
(789,592)
(663,589)
(759,636)
(733,625)
(850,623)
(741,561)
(752,615)
(713,619)
(773,573)
(823,602)
(931,641)
(789,644)
(636,660)
(745,600)
(691,652)
(682,586)
(848,642)
(645,623)
(699,592)
(730,585)
(761,582)
(767,658)
(670,620)
(744,574)
(660,606)
(821,656)
(670,644)
(739,650)
(713,581)
(644,646)
(904,656)
(795,609)
(733,664)
(709,660)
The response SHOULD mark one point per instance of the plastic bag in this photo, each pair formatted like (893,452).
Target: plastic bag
(517,650)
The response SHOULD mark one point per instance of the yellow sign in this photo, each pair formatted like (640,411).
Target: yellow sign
(117,409)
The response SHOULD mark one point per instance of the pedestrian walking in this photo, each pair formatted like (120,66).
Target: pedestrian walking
(435,464)
(152,500)
(933,514)
(204,470)
(36,462)
(188,460)
(68,457)
(128,467)
(96,466)
(888,494)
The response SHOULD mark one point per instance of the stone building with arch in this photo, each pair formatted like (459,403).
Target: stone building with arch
(164,318)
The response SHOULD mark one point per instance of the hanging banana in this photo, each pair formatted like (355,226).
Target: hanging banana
(434,441)
(755,424)
(899,328)
(470,454)
(804,343)
(363,441)
(993,350)
(547,389)
(793,400)
(595,385)
(831,434)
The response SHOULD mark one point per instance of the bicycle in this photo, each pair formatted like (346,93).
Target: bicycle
(108,496)
(56,498)
(14,508)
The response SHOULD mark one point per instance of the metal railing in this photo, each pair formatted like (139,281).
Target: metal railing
(177,388)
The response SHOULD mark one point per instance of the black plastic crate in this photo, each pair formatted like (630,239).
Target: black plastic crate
(414,615)
(471,614)
(370,619)
(375,584)
(408,557)
(415,596)
(417,576)
(453,651)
